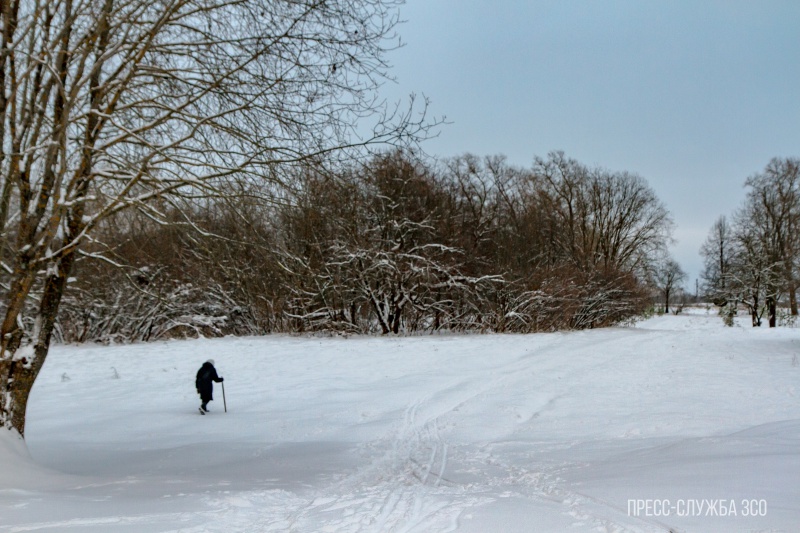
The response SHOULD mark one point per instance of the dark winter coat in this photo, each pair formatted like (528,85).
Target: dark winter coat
(203,382)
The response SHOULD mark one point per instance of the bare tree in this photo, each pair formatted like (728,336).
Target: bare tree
(108,105)
(775,208)
(755,260)
(370,245)
(668,277)
(474,206)
(609,221)
(755,275)
(717,253)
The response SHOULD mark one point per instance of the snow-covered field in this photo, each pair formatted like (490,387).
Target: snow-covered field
(676,423)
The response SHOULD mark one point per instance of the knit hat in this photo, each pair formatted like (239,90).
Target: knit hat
(210,361)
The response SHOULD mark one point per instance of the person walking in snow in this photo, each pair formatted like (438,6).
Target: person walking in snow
(205,388)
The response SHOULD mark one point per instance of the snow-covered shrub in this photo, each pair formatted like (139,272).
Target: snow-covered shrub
(575,302)
(164,308)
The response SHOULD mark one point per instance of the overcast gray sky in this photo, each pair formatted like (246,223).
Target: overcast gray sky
(694,96)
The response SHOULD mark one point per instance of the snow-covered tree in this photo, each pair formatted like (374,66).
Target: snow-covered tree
(370,246)
(754,260)
(773,204)
(668,276)
(717,252)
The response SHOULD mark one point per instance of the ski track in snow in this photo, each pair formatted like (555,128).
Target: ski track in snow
(441,444)
(402,490)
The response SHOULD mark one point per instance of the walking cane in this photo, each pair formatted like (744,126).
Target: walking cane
(225,403)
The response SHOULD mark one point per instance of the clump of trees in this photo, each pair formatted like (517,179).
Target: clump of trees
(391,245)
(752,259)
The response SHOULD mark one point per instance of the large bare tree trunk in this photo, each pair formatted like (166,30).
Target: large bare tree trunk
(20,367)
(772,311)
(17,375)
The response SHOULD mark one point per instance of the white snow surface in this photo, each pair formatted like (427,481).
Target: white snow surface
(467,433)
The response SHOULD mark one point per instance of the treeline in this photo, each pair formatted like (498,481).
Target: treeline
(752,258)
(393,245)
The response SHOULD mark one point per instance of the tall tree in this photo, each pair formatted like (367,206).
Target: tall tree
(774,199)
(668,277)
(755,273)
(370,244)
(599,219)
(717,251)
